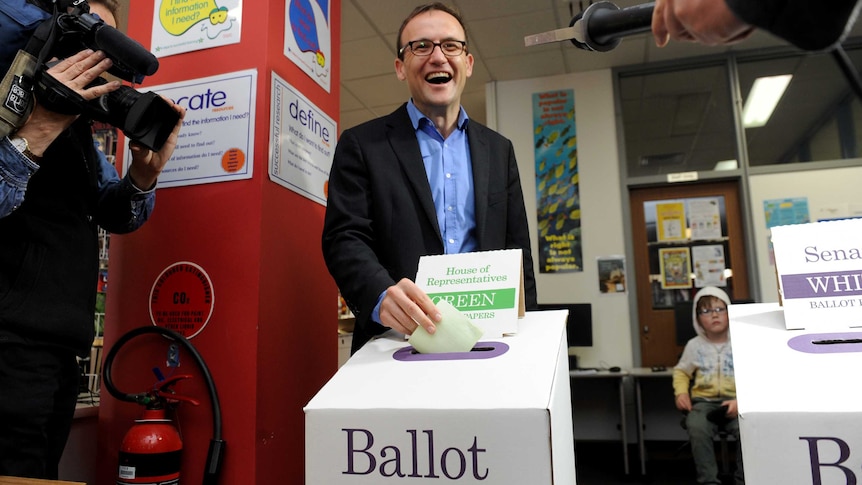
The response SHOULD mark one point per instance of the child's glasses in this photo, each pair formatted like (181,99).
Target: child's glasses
(707,311)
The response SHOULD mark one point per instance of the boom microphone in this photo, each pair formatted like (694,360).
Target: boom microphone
(600,27)
(120,47)
(132,61)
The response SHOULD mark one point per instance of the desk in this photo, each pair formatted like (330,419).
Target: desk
(604,374)
(33,481)
(638,374)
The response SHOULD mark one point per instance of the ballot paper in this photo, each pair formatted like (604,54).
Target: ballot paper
(455,333)
(819,266)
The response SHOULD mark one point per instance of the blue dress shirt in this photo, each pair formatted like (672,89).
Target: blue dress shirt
(450,174)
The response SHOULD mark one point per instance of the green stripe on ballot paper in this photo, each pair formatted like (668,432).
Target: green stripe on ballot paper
(498,299)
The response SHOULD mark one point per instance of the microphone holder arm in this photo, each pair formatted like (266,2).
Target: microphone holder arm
(600,27)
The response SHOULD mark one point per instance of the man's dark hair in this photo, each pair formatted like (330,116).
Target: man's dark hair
(427,8)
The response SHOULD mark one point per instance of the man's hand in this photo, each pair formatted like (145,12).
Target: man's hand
(146,164)
(406,307)
(709,22)
(76,73)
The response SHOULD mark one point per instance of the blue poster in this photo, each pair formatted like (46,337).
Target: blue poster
(781,212)
(308,38)
(558,204)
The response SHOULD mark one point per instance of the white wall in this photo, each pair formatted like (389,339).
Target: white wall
(509,112)
(830,193)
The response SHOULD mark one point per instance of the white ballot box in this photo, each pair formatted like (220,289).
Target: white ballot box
(799,397)
(500,414)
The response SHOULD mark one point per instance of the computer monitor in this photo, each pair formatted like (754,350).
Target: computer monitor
(579,326)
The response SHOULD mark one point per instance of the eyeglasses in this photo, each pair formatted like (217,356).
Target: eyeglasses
(422,48)
(707,311)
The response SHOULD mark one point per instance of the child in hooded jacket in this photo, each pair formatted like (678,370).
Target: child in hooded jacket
(704,385)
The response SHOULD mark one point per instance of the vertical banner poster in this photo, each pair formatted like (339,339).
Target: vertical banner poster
(301,142)
(191,25)
(216,142)
(558,206)
(308,38)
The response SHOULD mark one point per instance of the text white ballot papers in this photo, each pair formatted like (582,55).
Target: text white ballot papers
(819,268)
(487,286)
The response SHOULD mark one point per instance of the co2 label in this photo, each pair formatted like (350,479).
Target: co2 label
(182,299)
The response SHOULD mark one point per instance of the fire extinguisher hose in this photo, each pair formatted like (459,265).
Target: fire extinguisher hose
(217,445)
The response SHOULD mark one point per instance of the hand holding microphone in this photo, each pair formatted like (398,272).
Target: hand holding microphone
(709,22)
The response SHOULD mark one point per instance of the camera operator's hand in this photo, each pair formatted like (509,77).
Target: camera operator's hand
(76,72)
(146,164)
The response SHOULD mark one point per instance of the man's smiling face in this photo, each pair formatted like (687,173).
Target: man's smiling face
(435,81)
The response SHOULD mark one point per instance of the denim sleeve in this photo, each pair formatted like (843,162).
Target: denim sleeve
(122,207)
(15,173)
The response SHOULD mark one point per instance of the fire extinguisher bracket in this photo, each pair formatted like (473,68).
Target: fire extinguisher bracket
(151,448)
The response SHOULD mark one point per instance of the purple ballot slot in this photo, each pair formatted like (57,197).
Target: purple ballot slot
(482,350)
(827,343)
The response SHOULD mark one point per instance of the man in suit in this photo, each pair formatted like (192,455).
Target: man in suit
(422,180)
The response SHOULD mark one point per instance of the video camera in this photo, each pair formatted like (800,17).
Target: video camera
(145,118)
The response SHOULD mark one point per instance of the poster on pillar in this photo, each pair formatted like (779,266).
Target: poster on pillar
(216,141)
(191,25)
(308,38)
(558,203)
(301,142)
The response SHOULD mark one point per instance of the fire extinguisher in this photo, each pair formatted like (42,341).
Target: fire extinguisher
(150,451)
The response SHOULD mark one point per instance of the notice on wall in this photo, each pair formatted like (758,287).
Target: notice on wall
(612,274)
(191,25)
(216,142)
(558,203)
(301,140)
(308,38)
(781,212)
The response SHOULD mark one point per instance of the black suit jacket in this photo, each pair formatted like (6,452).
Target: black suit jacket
(380,216)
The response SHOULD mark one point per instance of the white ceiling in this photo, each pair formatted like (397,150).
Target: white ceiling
(495,31)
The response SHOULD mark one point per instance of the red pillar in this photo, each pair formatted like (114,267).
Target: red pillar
(270,343)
